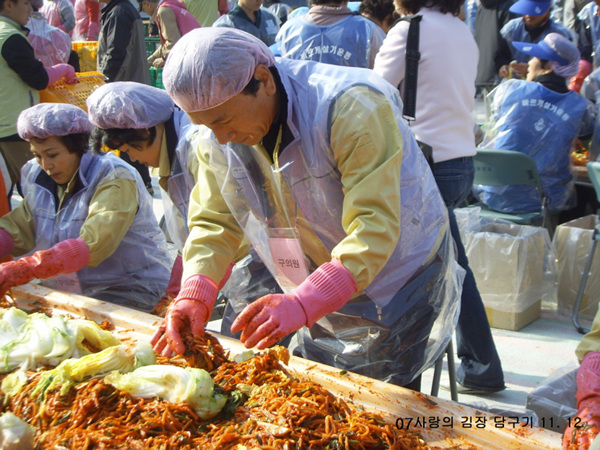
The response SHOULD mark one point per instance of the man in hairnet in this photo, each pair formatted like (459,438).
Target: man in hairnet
(314,164)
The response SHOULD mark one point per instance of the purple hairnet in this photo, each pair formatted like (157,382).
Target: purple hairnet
(208,66)
(567,50)
(126,104)
(52,119)
(36,4)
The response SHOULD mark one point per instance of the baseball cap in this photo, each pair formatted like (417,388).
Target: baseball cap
(531,7)
(557,49)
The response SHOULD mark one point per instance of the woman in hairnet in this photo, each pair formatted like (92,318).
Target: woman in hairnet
(314,164)
(144,122)
(88,217)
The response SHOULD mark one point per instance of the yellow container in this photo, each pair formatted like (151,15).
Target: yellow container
(87,51)
(75,94)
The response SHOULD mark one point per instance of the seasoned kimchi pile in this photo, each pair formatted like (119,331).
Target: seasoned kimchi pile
(131,400)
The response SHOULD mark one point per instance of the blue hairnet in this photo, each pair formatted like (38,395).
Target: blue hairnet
(208,66)
(126,104)
(52,119)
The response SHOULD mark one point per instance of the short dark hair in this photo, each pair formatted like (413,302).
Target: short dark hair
(445,6)
(254,85)
(2,2)
(75,143)
(382,10)
(114,138)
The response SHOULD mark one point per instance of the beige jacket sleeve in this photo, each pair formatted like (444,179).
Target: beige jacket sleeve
(215,236)
(111,212)
(367,146)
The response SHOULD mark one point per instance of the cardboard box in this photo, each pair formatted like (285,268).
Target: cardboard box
(507,320)
(572,242)
(508,262)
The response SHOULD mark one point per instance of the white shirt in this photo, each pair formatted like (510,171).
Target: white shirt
(446,81)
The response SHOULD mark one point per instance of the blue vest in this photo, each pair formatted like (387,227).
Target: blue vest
(530,118)
(137,273)
(345,43)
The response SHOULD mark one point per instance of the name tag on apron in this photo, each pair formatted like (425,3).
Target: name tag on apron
(288,258)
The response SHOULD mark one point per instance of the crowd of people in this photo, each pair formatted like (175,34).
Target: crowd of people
(325,145)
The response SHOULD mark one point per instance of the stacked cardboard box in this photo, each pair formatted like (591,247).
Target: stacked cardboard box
(510,265)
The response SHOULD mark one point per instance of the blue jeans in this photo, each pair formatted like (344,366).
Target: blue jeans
(480,365)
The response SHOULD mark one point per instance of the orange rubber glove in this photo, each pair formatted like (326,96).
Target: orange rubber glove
(274,316)
(67,256)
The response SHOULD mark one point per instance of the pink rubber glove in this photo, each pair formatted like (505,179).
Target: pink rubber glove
(6,243)
(67,256)
(59,71)
(585,68)
(581,433)
(194,305)
(274,316)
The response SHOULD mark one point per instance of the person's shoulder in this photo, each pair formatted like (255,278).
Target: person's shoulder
(587,10)
(267,14)
(225,20)
(126,7)
(514,24)
(557,27)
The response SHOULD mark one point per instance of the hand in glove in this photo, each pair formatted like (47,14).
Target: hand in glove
(274,316)
(172,288)
(580,434)
(67,256)
(193,305)
(59,71)
(585,68)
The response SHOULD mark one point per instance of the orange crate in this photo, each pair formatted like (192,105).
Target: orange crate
(87,51)
(75,94)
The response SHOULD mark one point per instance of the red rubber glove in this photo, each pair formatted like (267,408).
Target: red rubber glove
(59,71)
(6,243)
(193,305)
(580,434)
(274,316)
(585,68)
(67,256)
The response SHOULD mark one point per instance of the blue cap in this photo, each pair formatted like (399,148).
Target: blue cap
(531,7)
(560,51)
(542,50)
